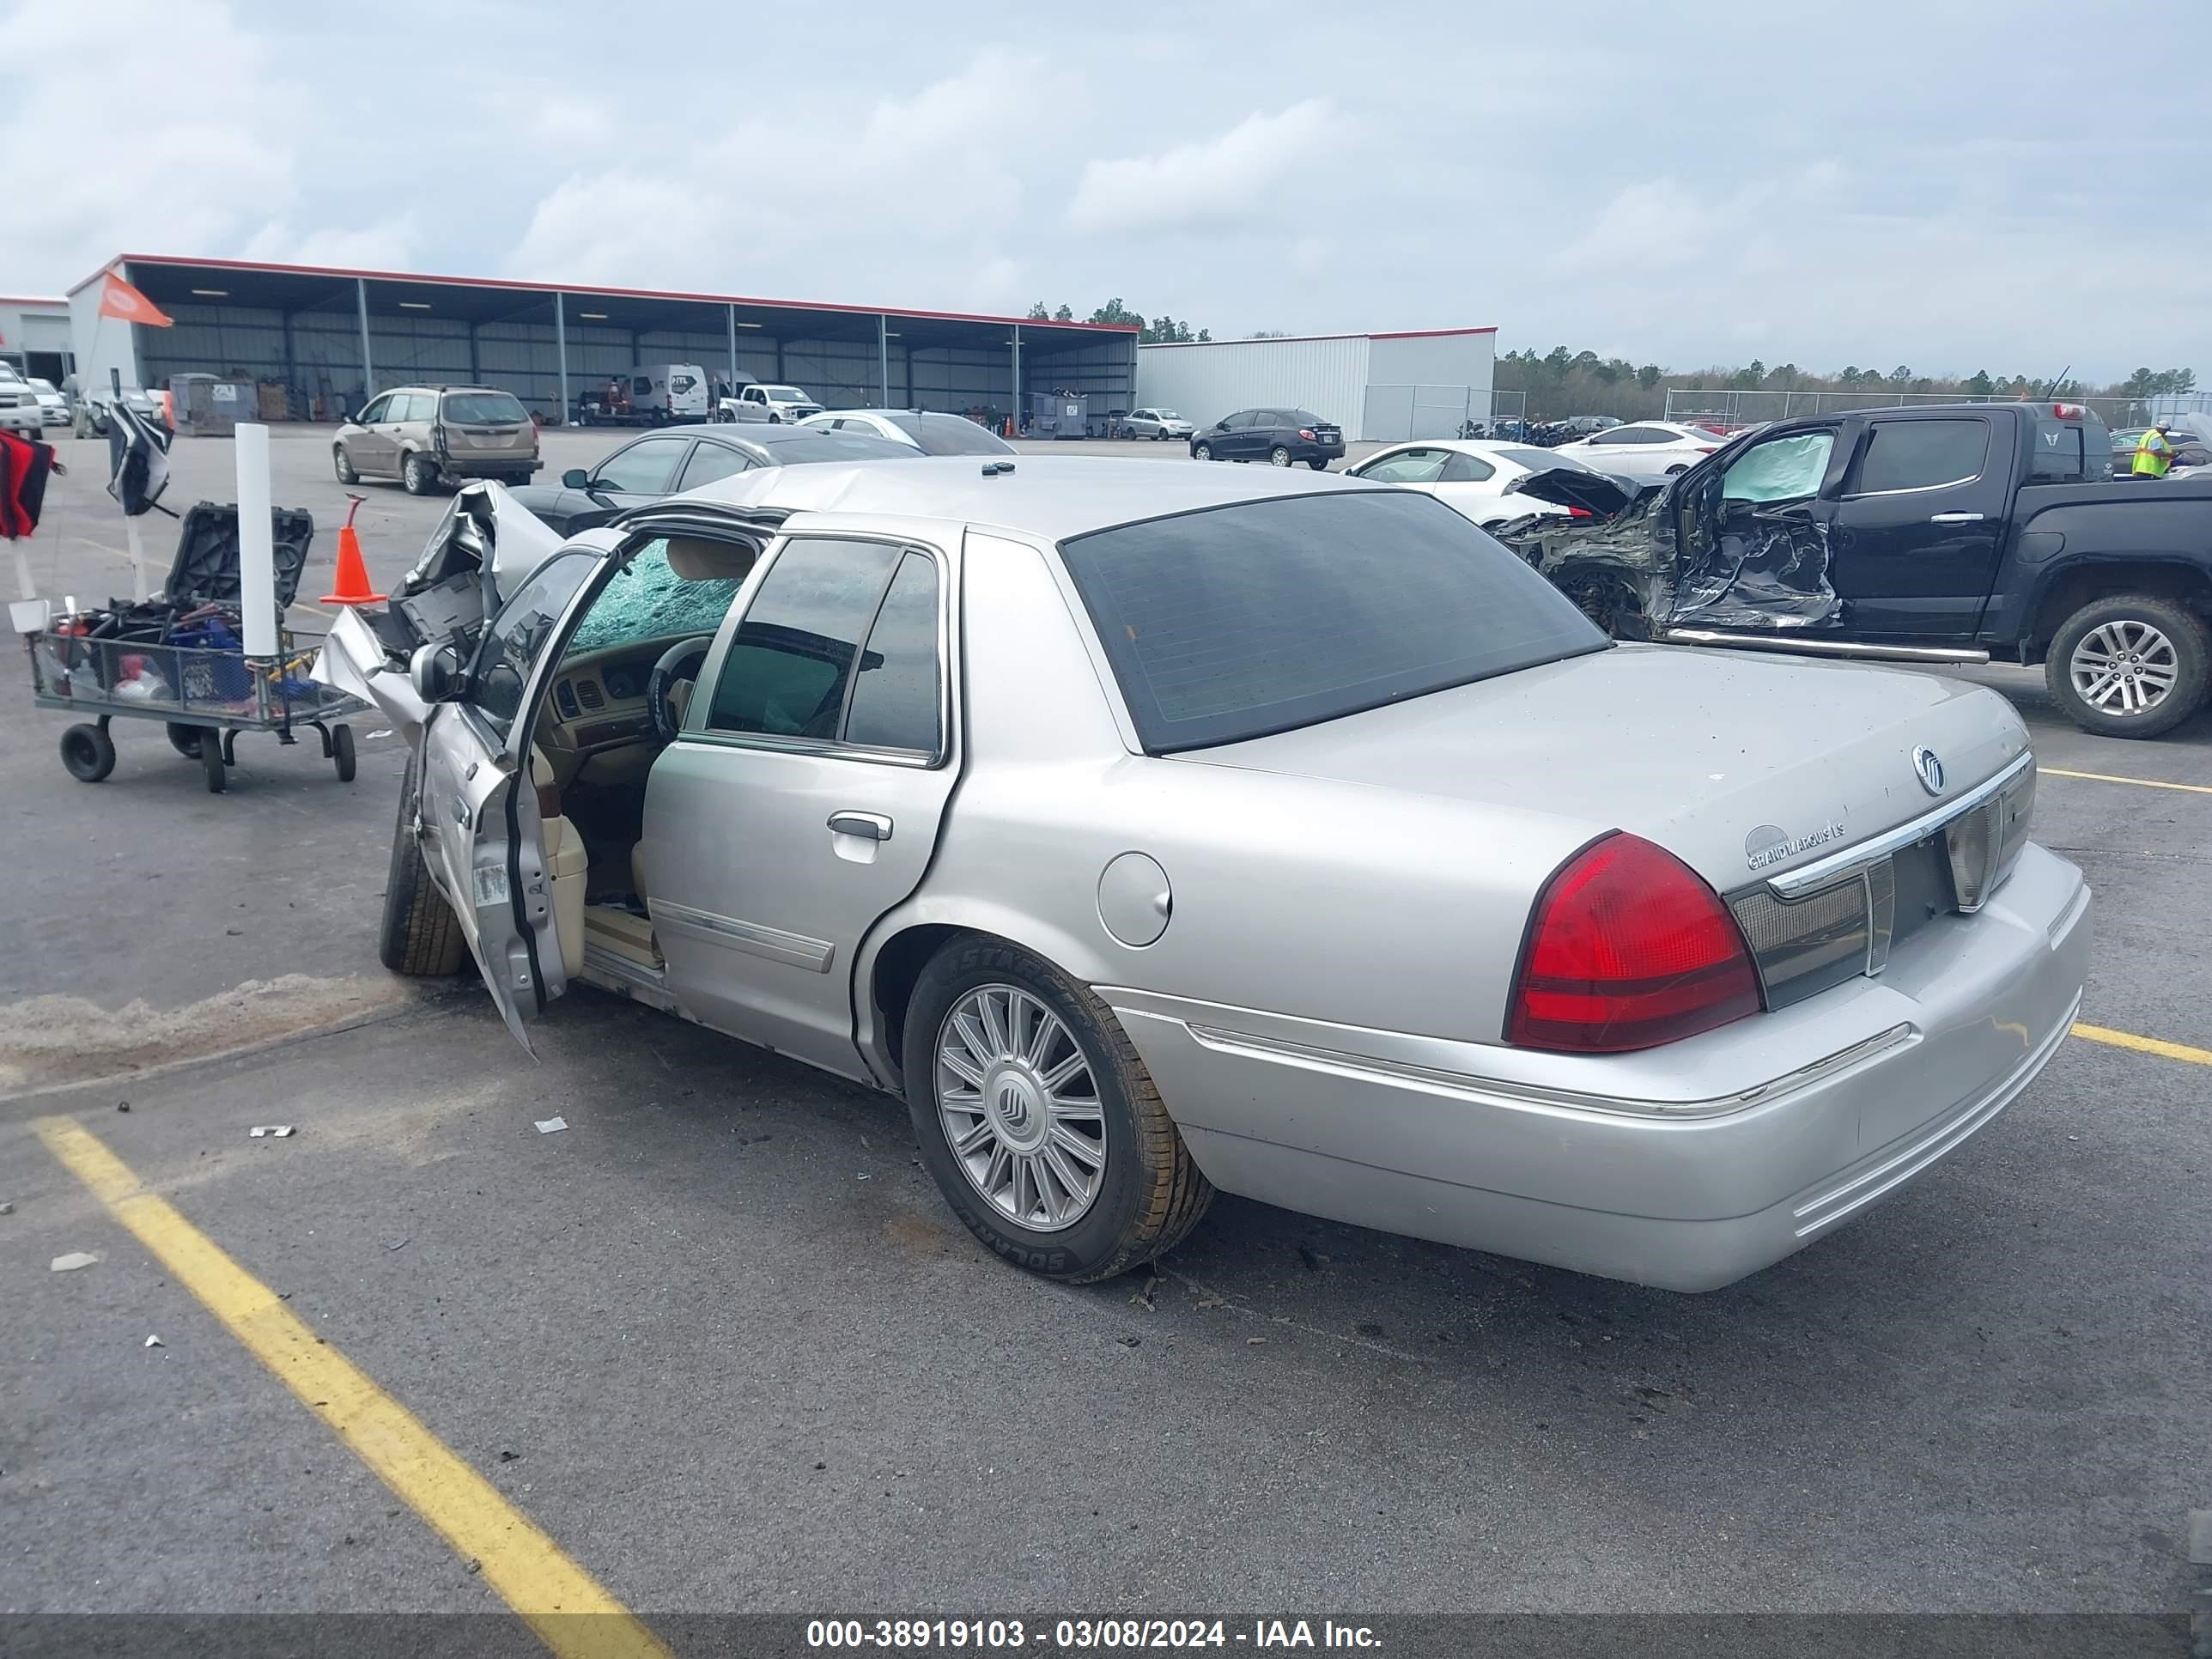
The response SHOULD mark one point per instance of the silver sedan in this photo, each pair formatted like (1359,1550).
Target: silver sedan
(1157,830)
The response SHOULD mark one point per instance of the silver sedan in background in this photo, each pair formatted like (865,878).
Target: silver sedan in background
(1153,830)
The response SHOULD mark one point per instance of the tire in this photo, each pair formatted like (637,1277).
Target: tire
(420,934)
(1278,456)
(418,475)
(2159,651)
(342,464)
(211,761)
(1319,463)
(1202,452)
(342,756)
(88,752)
(1149,1192)
(184,739)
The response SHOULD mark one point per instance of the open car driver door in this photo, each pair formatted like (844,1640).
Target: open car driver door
(475,808)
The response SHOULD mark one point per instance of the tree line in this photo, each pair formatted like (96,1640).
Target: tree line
(1560,383)
(1150,330)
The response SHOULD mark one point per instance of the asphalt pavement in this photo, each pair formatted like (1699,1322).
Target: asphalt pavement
(720,1339)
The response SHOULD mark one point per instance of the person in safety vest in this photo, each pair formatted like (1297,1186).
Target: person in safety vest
(2153,454)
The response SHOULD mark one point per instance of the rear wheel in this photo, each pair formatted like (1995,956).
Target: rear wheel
(342,464)
(420,934)
(342,756)
(184,739)
(419,476)
(1202,452)
(2130,666)
(1278,456)
(88,752)
(1038,1121)
(1319,463)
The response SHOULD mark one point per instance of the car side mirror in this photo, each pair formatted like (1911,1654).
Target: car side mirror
(576,478)
(435,670)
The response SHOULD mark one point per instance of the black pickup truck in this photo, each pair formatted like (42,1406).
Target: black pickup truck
(1951,533)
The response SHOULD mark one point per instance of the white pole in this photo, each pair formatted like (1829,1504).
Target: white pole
(23,573)
(257,544)
(137,560)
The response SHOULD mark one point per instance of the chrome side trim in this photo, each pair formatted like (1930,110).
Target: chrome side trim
(1489,1091)
(1798,644)
(792,949)
(1809,878)
(1824,1210)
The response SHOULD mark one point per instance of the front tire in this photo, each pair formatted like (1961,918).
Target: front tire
(418,475)
(1037,1119)
(87,752)
(342,464)
(419,935)
(1202,452)
(2130,666)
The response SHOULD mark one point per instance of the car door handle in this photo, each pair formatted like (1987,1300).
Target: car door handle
(869,826)
(1958,518)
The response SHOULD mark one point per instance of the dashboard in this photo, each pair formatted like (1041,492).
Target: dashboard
(600,698)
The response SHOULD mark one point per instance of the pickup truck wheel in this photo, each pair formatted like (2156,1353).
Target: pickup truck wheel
(2130,666)
(1037,1119)
(419,474)
(420,934)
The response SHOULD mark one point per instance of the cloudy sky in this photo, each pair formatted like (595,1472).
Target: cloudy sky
(1950,186)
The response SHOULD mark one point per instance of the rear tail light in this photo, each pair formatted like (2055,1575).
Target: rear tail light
(1307,433)
(1628,949)
(2070,411)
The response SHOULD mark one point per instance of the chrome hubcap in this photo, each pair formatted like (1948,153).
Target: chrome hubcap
(2124,668)
(1020,1107)
(1281,457)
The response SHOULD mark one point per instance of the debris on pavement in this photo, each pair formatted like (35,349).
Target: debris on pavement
(276,1131)
(395,1243)
(551,1126)
(156,1342)
(7,1209)
(122,1105)
(74,1260)
(372,737)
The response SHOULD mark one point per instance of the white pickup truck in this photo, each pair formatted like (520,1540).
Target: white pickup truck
(779,405)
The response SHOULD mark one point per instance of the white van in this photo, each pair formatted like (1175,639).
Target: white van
(664,394)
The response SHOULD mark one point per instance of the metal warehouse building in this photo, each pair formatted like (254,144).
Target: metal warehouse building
(34,336)
(1378,386)
(322,340)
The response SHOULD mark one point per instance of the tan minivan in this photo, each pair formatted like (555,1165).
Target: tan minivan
(425,435)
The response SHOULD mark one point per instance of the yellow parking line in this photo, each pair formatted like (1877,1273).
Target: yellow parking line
(2145,1045)
(525,1567)
(2144,783)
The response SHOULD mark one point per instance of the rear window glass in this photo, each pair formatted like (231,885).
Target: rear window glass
(483,408)
(2060,448)
(1240,621)
(1922,454)
(811,444)
(951,435)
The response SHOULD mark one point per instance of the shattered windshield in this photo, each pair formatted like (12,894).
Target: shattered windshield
(1780,470)
(649,601)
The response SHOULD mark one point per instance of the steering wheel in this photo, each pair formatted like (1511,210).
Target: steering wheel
(681,661)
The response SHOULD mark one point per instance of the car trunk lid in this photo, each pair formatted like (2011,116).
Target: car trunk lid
(1745,768)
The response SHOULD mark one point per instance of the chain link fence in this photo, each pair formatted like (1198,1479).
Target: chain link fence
(1691,404)
(1394,413)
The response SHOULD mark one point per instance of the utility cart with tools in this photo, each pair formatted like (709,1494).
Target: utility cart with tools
(179,659)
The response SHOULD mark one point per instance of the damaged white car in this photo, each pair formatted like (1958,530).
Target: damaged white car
(1154,831)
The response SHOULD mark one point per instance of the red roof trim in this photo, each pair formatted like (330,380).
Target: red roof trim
(1295,339)
(582,290)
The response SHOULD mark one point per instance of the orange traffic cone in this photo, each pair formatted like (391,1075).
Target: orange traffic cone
(353,575)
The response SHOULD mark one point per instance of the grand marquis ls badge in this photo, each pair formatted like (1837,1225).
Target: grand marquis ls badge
(1929,765)
(1769,844)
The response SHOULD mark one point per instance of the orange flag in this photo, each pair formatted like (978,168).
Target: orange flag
(118,298)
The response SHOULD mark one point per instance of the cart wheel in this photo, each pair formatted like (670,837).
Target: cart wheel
(211,760)
(88,752)
(185,740)
(342,751)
